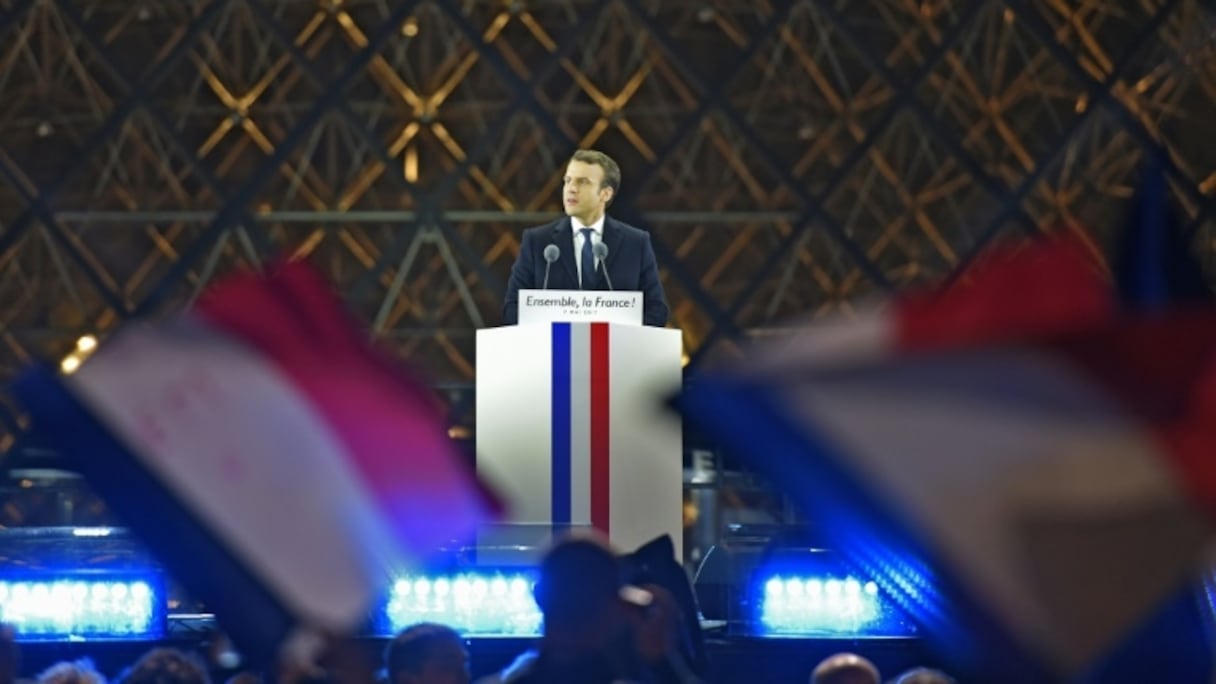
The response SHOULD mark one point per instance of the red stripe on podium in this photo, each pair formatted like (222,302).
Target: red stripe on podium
(600,473)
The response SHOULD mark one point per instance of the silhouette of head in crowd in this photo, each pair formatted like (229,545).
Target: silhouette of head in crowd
(427,654)
(76,672)
(578,593)
(846,668)
(923,675)
(165,666)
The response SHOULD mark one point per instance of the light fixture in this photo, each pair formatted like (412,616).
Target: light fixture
(92,531)
(70,363)
(85,346)
(77,606)
(814,592)
(474,603)
(794,604)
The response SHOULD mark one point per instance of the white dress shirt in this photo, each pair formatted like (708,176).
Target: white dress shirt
(597,236)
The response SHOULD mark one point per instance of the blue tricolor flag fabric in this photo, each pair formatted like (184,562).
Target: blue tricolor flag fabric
(282,468)
(1021,442)
(581,482)
(1154,267)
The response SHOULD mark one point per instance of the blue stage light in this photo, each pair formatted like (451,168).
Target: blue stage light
(819,605)
(69,607)
(809,591)
(475,603)
(793,603)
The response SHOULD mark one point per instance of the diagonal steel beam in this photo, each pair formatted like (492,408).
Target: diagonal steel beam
(747,131)
(427,204)
(1099,96)
(37,204)
(712,97)
(301,58)
(712,94)
(904,91)
(1098,90)
(522,91)
(522,95)
(724,322)
(547,120)
(163,123)
(9,17)
(814,208)
(334,91)
(118,117)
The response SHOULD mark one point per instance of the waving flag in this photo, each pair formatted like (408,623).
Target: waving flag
(1154,267)
(1048,451)
(281,467)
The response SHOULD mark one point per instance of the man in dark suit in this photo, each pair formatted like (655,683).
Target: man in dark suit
(591,181)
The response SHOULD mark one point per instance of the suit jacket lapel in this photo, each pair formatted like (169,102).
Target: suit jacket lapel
(612,238)
(564,239)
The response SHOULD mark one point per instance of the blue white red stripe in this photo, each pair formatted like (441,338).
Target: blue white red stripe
(580,485)
(1021,428)
(269,387)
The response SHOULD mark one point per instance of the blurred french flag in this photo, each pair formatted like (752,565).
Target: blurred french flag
(1024,459)
(281,467)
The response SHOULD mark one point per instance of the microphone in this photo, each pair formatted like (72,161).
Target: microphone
(551,254)
(600,251)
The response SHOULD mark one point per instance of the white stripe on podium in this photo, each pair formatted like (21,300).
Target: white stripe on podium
(580,425)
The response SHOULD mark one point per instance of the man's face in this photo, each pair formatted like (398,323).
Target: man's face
(448,664)
(582,194)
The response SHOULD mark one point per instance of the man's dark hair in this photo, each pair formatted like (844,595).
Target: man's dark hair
(612,172)
(165,666)
(411,648)
(578,579)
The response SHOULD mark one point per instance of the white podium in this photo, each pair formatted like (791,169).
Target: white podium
(572,430)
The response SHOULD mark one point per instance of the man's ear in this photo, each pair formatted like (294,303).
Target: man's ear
(607,198)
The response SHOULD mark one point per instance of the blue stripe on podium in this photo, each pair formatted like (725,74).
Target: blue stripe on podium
(560,446)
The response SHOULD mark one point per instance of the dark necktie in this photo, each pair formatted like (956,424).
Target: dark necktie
(588,259)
